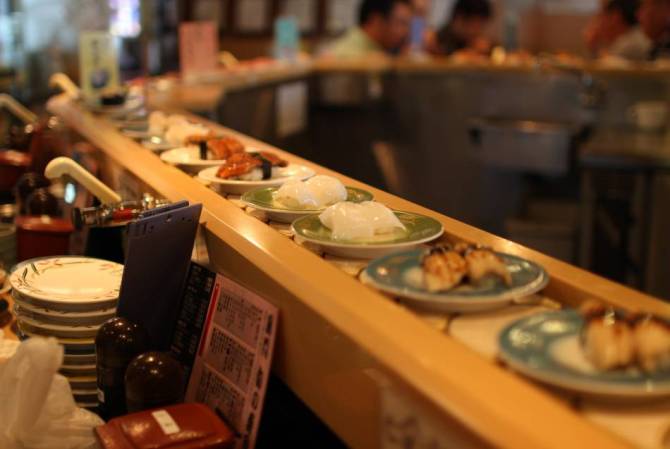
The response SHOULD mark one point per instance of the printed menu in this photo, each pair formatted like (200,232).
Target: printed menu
(233,360)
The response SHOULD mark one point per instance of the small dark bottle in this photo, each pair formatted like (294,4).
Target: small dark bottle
(153,379)
(117,343)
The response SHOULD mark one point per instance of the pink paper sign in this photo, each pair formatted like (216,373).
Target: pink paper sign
(198,47)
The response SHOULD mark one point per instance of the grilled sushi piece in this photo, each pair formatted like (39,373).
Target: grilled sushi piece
(250,166)
(607,339)
(652,343)
(443,269)
(224,147)
(483,262)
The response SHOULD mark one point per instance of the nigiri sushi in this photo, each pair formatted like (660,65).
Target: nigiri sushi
(652,343)
(443,269)
(250,166)
(296,194)
(484,262)
(315,193)
(352,221)
(608,340)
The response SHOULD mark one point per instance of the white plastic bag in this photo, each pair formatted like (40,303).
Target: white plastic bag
(37,410)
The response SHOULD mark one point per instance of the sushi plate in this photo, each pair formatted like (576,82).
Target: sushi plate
(57,330)
(156,144)
(547,348)
(237,187)
(419,229)
(188,159)
(59,317)
(263,200)
(73,346)
(68,282)
(401,275)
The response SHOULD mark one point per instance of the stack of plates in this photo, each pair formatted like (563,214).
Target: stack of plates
(7,245)
(68,298)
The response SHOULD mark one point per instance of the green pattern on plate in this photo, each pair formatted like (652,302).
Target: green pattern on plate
(528,344)
(417,228)
(264,198)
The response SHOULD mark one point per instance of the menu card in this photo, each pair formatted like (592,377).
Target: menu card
(234,357)
(198,49)
(98,63)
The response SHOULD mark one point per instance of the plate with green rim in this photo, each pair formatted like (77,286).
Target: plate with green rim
(547,348)
(263,200)
(400,275)
(419,229)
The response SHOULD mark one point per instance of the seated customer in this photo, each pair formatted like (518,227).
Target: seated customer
(383,28)
(614,32)
(465,30)
(654,17)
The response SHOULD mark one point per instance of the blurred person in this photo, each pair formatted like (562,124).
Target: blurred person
(654,18)
(614,31)
(465,32)
(383,27)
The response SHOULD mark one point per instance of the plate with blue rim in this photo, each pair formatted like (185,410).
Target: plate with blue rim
(264,200)
(546,347)
(418,229)
(401,275)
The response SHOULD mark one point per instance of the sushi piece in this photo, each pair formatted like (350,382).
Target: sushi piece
(250,166)
(652,343)
(352,221)
(327,190)
(608,340)
(484,262)
(224,147)
(296,194)
(443,269)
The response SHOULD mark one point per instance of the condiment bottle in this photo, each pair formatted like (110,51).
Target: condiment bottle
(117,343)
(153,379)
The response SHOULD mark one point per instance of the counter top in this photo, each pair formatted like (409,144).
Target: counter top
(342,344)
(627,148)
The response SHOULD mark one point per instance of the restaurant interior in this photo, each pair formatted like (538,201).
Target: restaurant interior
(334,223)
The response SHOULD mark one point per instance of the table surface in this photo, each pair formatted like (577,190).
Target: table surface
(627,148)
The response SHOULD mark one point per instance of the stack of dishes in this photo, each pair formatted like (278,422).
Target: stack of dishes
(7,245)
(68,298)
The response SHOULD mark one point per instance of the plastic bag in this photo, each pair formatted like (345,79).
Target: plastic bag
(37,410)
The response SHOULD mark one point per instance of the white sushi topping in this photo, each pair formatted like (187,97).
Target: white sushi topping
(351,221)
(178,132)
(315,193)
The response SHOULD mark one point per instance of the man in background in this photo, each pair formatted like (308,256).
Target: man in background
(614,31)
(465,31)
(383,27)
(654,17)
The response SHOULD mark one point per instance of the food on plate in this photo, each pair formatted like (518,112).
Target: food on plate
(224,147)
(315,193)
(652,343)
(607,340)
(178,132)
(358,221)
(613,340)
(443,269)
(448,266)
(251,166)
(483,262)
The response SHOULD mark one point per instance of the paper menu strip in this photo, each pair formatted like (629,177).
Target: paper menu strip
(233,363)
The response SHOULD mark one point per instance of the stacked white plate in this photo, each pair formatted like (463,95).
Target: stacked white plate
(7,245)
(68,298)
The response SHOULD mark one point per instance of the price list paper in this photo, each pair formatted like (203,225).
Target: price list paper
(233,361)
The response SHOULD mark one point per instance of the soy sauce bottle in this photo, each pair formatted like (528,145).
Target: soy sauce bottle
(117,343)
(153,379)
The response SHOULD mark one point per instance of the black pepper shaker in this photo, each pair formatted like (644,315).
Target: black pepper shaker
(117,343)
(153,379)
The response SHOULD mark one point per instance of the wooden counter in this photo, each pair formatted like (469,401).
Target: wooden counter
(343,348)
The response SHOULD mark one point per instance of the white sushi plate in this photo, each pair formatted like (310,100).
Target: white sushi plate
(188,159)
(60,317)
(68,282)
(237,187)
